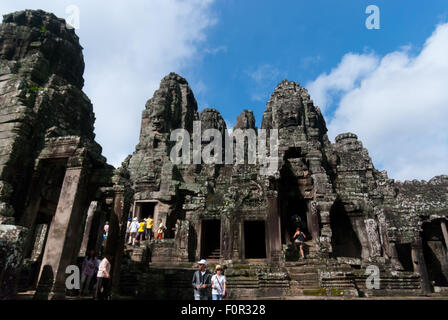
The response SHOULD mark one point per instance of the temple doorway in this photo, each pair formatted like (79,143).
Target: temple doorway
(254,239)
(52,173)
(404,253)
(211,239)
(435,253)
(147,209)
(344,241)
(293,207)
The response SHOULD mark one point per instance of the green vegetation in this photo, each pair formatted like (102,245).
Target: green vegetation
(315,292)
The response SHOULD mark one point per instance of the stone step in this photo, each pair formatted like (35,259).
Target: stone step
(304,269)
(306,261)
(304,276)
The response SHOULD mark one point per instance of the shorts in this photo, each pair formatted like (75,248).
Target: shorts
(300,243)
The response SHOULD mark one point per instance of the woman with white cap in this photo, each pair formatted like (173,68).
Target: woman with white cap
(133,228)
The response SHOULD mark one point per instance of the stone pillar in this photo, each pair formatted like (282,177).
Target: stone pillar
(373,237)
(226,239)
(418,261)
(39,242)
(100,231)
(88,225)
(445,232)
(273,226)
(313,218)
(359,227)
(63,236)
(138,211)
(116,238)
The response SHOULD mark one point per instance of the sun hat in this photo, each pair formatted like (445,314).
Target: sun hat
(219,267)
(203,262)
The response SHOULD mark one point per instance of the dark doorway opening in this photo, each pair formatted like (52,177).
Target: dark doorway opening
(293,207)
(344,240)
(254,239)
(435,253)
(147,209)
(211,239)
(405,256)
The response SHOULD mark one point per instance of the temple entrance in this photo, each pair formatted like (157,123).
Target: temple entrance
(404,253)
(344,241)
(52,172)
(254,239)
(147,209)
(293,207)
(211,239)
(435,253)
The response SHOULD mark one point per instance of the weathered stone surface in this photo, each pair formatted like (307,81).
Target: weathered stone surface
(46,125)
(52,171)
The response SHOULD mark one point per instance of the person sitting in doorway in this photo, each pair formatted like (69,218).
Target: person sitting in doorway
(299,238)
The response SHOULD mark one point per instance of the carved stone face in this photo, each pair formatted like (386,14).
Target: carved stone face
(288,117)
(157,119)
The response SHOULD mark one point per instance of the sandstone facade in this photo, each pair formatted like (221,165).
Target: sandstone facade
(56,191)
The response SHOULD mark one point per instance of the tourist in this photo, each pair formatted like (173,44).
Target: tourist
(202,282)
(218,284)
(106,228)
(103,277)
(88,268)
(133,228)
(141,231)
(128,230)
(160,230)
(149,223)
(299,238)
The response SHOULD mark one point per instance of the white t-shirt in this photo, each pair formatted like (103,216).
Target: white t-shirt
(104,266)
(134,226)
(218,282)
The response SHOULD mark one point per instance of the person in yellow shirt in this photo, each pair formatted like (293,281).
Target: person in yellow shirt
(149,224)
(141,230)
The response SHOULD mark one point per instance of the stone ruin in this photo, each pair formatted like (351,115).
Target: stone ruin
(57,191)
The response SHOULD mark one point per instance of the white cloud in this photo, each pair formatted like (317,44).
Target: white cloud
(397,105)
(215,51)
(263,77)
(128,48)
(350,70)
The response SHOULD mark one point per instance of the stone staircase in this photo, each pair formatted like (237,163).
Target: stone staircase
(214,255)
(304,275)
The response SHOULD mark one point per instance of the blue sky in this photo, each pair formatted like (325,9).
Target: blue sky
(298,40)
(386,85)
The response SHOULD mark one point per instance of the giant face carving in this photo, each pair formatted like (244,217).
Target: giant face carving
(288,116)
(157,118)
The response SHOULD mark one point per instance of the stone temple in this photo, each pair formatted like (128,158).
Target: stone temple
(57,191)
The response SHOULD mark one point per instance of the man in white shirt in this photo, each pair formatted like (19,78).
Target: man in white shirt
(133,228)
(103,277)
